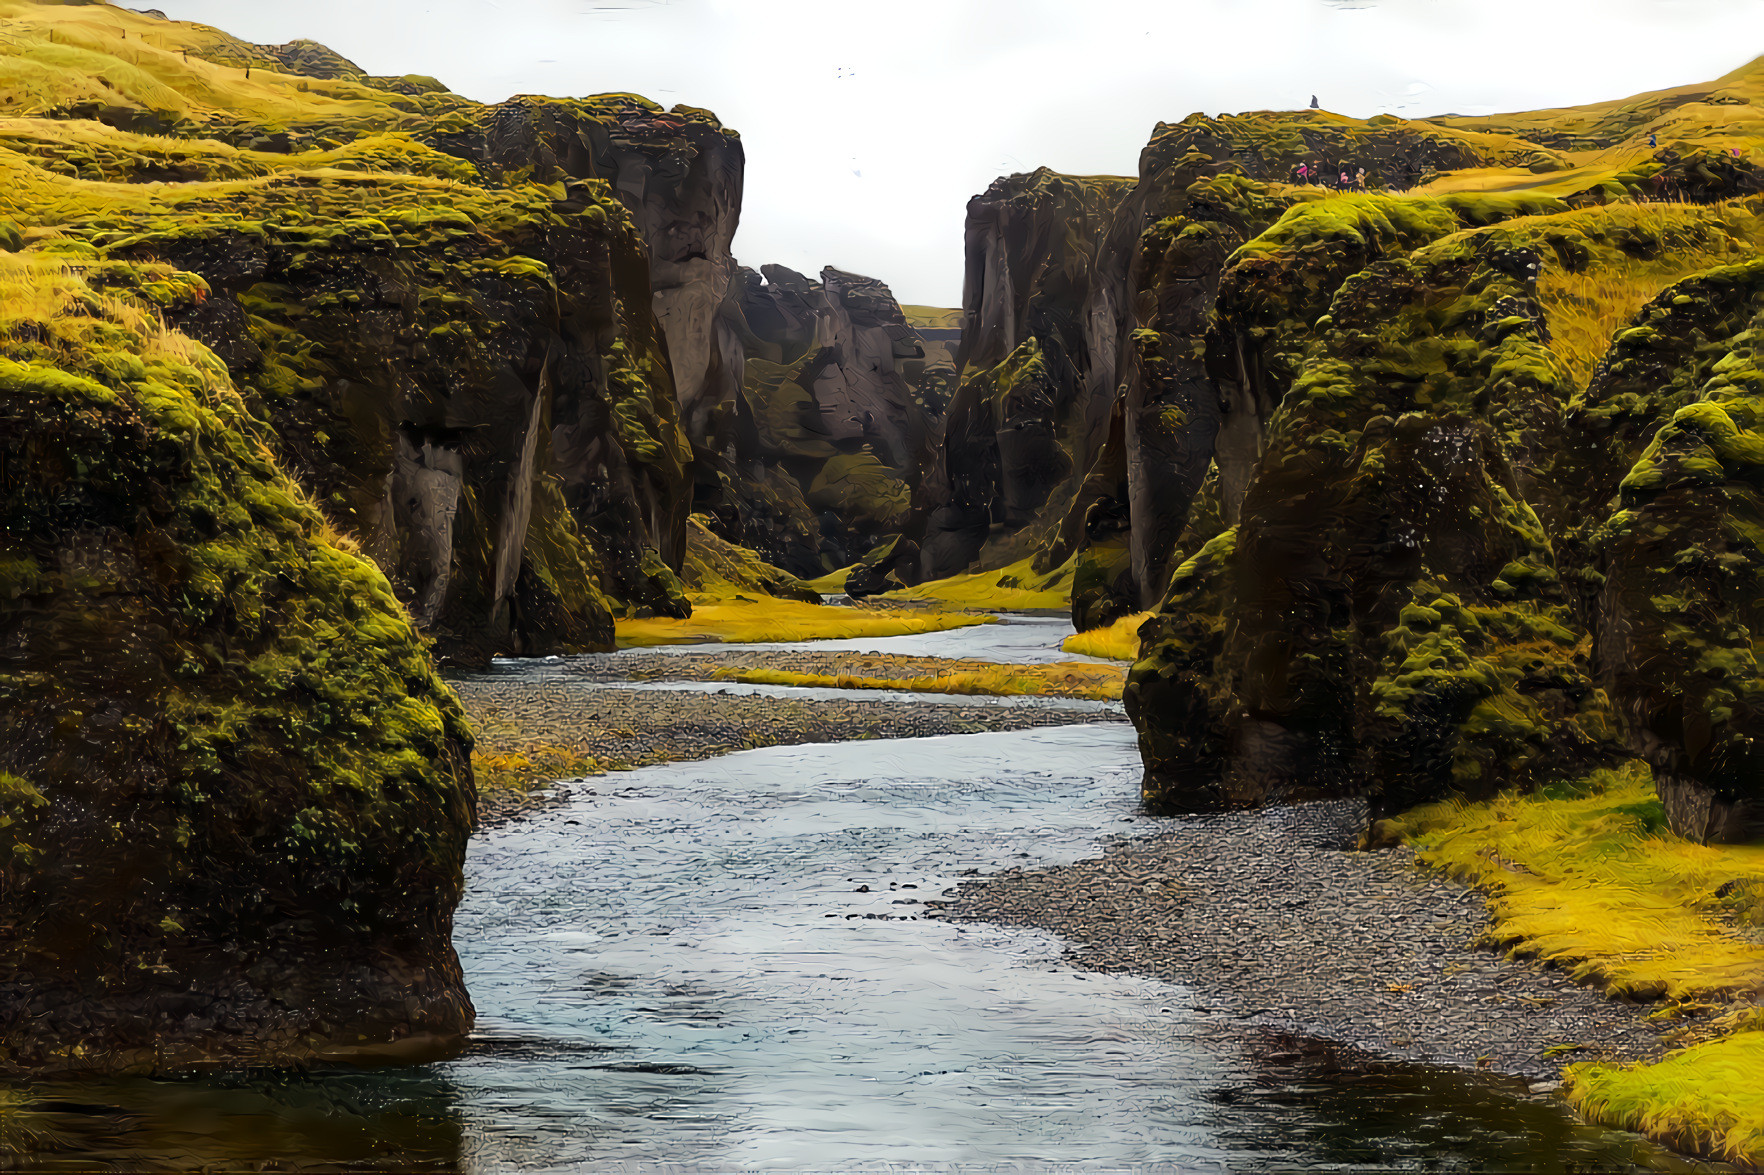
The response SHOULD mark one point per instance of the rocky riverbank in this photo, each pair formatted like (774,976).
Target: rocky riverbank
(575,721)
(1270,917)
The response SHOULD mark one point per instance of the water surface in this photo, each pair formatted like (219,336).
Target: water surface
(726,965)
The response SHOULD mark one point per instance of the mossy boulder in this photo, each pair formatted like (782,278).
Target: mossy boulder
(234,794)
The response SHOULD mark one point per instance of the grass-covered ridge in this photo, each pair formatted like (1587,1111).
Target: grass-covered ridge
(1587,877)
(1016,586)
(210,694)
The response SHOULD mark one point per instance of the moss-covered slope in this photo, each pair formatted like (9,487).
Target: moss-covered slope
(463,322)
(234,795)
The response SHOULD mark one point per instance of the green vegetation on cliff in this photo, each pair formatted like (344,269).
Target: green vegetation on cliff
(233,781)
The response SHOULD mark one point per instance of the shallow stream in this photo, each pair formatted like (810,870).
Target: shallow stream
(725,964)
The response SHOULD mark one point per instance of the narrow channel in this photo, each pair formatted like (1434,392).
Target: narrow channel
(728,964)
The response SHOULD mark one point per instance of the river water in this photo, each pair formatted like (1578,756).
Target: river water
(725,965)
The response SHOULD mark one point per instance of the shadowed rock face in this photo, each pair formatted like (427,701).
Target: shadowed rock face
(1116,283)
(680,173)
(1677,602)
(834,440)
(234,795)
(1386,612)
(520,462)
(1024,417)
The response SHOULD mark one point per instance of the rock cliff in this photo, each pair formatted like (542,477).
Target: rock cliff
(462,321)
(1447,570)
(234,795)
(834,439)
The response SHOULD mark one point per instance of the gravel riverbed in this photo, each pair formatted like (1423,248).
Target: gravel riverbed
(622,728)
(1272,918)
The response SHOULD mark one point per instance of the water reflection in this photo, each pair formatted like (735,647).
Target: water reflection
(402,1120)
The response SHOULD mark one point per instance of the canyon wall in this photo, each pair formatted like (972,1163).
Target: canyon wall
(834,437)
(234,794)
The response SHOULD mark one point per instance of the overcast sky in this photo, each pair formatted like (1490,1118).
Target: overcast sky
(868,125)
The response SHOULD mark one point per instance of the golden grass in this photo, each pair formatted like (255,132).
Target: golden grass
(519,771)
(1066,679)
(1588,879)
(1016,587)
(1594,884)
(933,317)
(832,583)
(1585,309)
(773,620)
(1118,641)
(1707,1099)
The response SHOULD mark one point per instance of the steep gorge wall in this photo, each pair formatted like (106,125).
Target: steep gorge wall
(234,794)
(834,438)
(463,321)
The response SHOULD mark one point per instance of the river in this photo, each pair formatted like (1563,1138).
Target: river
(725,965)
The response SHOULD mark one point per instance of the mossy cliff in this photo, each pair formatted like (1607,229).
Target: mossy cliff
(835,436)
(462,321)
(1676,569)
(234,795)
(1029,245)
(1432,581)
(1114,283)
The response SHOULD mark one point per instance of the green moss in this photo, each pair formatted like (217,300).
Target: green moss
(267,720)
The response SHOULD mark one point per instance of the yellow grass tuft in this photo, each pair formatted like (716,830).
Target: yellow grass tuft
(1707,1099)
(1066,679)
(1588,878)
(1017,587)
(774,620)
(1118,642)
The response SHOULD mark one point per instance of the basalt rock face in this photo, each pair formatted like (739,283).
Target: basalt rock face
(1383,609)
(1024,418)
(234,795)
(1093,301)
(488,412)
(1188,392)
(1450,571)
(834,440)
(1678,566)
(680,172)
(447,311)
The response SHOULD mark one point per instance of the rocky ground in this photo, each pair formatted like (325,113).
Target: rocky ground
(1271,918)
(572,713)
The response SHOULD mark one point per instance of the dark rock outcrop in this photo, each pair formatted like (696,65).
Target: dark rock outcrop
(1386,613)
(1676,569)
(234,795)
(834,441)
(680,173)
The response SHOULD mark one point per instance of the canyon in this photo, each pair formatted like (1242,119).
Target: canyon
(326,397)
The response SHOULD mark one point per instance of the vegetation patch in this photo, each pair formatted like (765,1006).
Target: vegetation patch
(1066,679)
(1587,877)
(772,620)
(1118,642)
(1016,587)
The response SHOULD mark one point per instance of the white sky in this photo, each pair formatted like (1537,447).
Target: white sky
(868,125)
